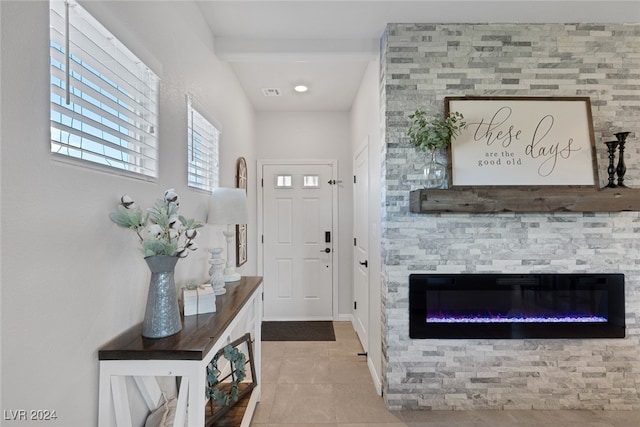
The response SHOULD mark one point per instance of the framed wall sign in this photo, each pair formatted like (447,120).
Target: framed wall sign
(241,229)
(514,141)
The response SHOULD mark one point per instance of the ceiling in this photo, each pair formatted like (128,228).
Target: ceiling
(328,44)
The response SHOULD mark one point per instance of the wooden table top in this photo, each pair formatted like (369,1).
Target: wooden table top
(198,335)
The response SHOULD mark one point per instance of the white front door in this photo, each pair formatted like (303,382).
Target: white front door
(298,241)
(361,246)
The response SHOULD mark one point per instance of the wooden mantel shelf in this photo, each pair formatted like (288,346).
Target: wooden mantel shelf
(525,199)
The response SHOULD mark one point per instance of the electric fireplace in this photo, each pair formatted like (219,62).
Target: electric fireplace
(516,306)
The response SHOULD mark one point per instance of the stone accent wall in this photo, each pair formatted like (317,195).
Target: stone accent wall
(423,63)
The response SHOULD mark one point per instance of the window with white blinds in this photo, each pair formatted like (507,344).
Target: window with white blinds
(104,100)
(202,149)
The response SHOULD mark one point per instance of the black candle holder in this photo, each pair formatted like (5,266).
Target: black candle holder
(621,169)
(611,146)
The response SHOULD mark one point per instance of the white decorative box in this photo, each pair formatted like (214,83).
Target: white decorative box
(206,299)
(198,300)
(190,301)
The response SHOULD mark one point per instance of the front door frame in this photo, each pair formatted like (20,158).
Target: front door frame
(363,331)
(334,217)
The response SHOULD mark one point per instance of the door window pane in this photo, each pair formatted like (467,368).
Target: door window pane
(311,181)
(284,181)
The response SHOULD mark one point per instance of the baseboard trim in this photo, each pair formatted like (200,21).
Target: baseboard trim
(377,383)
(344,318)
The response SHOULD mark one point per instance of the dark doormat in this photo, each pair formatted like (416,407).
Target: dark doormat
(298,331)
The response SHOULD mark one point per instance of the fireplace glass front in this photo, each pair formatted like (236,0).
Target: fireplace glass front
(516,306)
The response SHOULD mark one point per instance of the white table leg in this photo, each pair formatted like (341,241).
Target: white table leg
(196,396)
(105,403)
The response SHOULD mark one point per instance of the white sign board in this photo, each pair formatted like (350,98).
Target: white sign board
(523,141)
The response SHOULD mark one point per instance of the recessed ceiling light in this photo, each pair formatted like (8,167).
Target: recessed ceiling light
(301,88)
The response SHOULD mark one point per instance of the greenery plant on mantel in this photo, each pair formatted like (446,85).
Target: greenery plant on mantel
(430,135)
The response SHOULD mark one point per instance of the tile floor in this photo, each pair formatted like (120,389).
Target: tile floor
(325,384)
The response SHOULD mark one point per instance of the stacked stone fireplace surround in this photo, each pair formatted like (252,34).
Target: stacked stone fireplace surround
(420,65)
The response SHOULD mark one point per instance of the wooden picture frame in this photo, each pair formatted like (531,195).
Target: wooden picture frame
(523,141)
(241,229)
(213,410)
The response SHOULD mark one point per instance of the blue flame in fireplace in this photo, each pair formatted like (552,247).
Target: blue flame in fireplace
(516,319)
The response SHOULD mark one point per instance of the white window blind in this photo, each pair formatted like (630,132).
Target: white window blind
(104,100)
(202,149)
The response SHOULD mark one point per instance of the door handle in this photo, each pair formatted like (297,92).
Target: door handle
(365,263)
(326,250)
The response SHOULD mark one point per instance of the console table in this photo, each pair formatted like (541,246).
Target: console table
(185,354)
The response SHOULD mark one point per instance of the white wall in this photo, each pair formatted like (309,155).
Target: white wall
(317,135)
(72,280)
(365,127)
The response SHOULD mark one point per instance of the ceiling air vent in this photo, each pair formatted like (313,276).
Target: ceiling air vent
(271,91)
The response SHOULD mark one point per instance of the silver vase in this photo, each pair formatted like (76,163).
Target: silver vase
(162,314)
